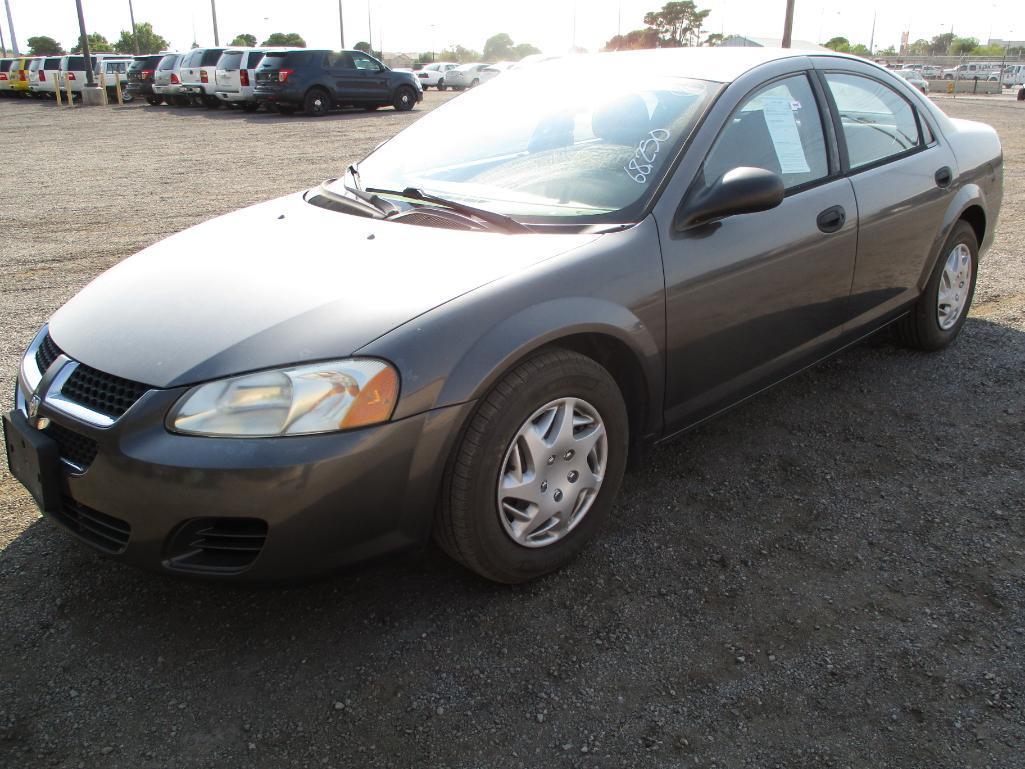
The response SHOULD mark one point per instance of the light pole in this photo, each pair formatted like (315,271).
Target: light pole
(3,45)
(135,36)
(341,25)
(788,24)
(213,12)
(10,26)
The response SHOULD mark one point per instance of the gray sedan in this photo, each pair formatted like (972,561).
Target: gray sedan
(470,343)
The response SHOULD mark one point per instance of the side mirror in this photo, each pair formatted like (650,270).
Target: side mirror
(743,190)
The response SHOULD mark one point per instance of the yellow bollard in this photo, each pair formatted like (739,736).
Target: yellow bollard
(67,81)
(950,86)
(117,89)
(57,88)
(103,87)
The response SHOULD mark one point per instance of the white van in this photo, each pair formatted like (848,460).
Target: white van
(1014,74)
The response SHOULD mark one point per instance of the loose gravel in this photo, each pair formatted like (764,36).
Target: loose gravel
(829,576)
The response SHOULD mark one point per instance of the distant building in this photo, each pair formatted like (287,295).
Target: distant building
(741,41)
(399,60)
(1007,43)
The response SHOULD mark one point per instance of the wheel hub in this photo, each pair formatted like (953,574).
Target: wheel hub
(552,472)
(955,283)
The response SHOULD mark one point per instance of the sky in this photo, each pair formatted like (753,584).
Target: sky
(552,25)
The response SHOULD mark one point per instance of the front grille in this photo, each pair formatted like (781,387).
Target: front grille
(216,545)
(46,354)
(104,532)
(108,394)
(75,448)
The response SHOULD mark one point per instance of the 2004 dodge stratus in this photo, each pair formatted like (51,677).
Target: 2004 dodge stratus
(469,342)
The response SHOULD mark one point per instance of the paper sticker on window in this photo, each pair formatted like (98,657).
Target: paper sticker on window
(779,118)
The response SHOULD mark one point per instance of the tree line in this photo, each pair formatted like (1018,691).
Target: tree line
(149,42)
(946,44)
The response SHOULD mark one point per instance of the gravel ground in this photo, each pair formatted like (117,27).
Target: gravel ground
(829,576)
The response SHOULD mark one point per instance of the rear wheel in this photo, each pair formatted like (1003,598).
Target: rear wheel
(475,83)
(154,101)
(441,85)
(537,469)
(405,99)
(941,310)
(317,102)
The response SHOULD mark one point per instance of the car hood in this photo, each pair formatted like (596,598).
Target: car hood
(278,283)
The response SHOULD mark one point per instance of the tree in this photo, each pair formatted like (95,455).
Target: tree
(714,39)
(891,51)
(940,44)
(841,44)
(963,45)
(677,23)
(498,47)
(285,39)
(919,48)
(633,40)
(97,44)
(460,54)
(43,46)
(245,40)
(860,50)
(524,49)
(149,41)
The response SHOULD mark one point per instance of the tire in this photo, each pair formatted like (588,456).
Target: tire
(469,525)
(154,101)
(441,85)
(922,328)
(317,102)
(1021,94)
(405,99)
(475,83)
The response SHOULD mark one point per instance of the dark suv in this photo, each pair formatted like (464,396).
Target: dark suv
(318,81)
(140,78)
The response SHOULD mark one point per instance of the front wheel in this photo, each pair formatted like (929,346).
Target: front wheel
(441,85)
(405,99)
(154,101)
(537,469)
(941,310)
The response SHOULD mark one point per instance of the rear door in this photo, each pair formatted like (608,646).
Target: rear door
(902,176)
(348,81)
(227,76)
(190,67)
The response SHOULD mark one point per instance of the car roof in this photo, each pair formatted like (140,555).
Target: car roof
(721,63)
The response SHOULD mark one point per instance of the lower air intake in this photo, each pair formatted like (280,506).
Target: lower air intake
(104,532)
(216,545)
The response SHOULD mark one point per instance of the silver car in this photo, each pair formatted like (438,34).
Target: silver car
(236,77)
(167,80)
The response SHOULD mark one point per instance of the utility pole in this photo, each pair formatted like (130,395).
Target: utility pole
(3,45)
(788,24)
(10,26)
(370,30)
(135,36)
(213,10)
(341,24)
(85,47)
(872,38)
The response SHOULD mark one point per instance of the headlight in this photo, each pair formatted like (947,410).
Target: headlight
(318,398)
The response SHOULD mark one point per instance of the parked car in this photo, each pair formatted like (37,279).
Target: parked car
(1014,74)
(5,77)
(433,74)
(915,78)
(198,73)
(45,79)
(494,70)
(73,70)
(471,342)
(114,70)
(33,76)
(464,76)
(317,81)
(929,71)
(18,75)
(142,76)
(972,70)
(236,77)
(167,82)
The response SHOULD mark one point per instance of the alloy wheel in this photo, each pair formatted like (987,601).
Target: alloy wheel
(955,283)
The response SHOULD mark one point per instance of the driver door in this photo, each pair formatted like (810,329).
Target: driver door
(373,77)
(754,297)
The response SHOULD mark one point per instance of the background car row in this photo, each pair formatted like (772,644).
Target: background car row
(284,80)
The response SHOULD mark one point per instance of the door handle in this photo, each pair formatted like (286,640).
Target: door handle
(832,219)
(944,177)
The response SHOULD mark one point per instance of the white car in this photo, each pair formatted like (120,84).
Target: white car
(73,69)
(494,70)
(915,78)
(1014,74)
(464,76)
(167,82)
(199,75)
(114,70)
(433,74)
(236,77)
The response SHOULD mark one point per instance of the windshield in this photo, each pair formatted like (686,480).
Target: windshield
(580,145)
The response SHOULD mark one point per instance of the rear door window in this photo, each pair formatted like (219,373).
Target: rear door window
(76,63)
(338,60)
(5,66)
(52,64)
(231,60)
(877,122)
(255,57)
(210,57)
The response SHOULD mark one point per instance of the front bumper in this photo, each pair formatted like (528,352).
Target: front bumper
(324,501)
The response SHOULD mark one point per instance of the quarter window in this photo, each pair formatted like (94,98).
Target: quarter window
(877,122)
(778,128)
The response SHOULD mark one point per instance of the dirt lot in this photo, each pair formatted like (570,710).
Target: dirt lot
(829,576)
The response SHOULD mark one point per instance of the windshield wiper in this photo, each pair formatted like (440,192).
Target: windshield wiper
(501,221)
